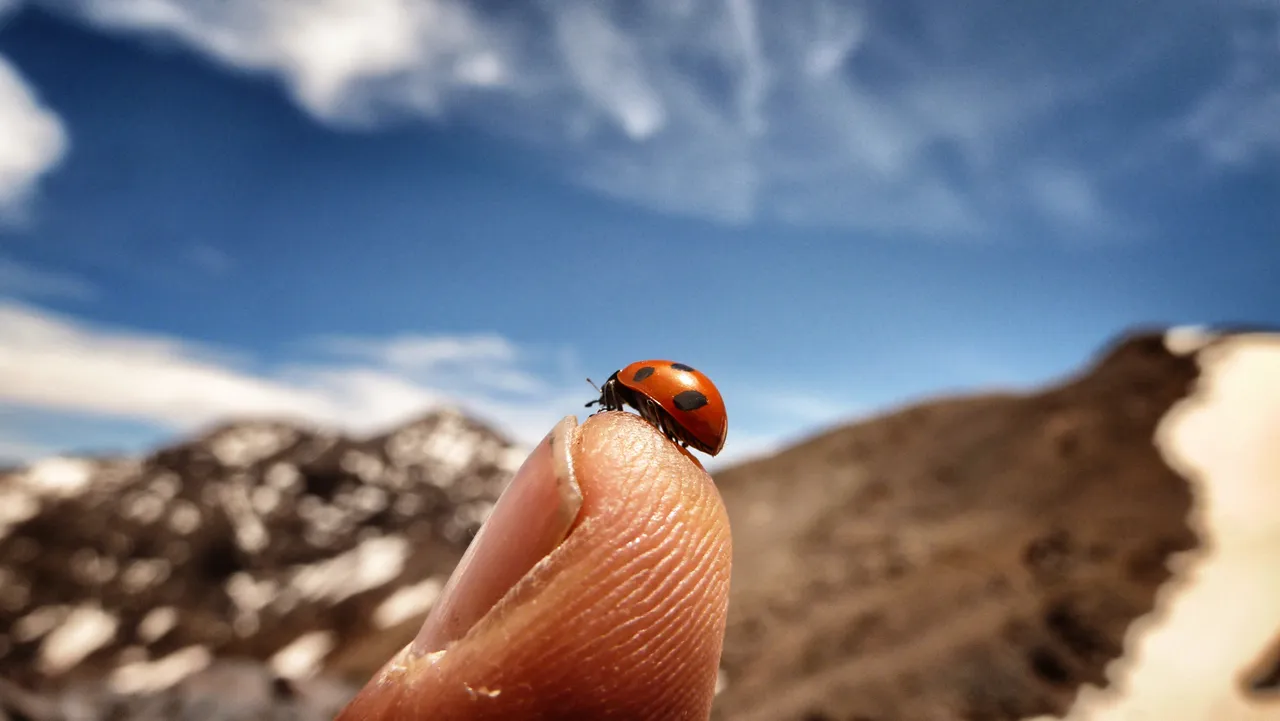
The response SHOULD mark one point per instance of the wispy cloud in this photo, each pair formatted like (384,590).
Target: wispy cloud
(25,280)
(483,361)
(413,352)
(1066,196)
(1238,122)
(58,364)
(210,259)
(49,361)
(794,407)
(57,372)
(903,117)
(32,138)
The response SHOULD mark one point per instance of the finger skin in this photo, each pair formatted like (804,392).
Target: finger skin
(624,620)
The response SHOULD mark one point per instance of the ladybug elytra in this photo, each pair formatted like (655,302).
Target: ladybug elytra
(682,402)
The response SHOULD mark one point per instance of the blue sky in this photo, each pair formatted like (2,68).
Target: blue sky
(350,212)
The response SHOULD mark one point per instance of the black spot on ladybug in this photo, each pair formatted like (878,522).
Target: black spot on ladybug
(689,400)
(642,374)
(681,367)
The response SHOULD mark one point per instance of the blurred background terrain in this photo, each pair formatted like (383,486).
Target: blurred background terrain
(287,288)
(989,556)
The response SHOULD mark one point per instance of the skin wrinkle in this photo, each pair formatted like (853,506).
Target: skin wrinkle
(654,613)
(645,521)
(624,580)
(647,618)
(628,651)
(689,591)
(660,651)
(665,593)
(695,652)
(676,542)
(651,530)
(673,661)
(650,618)
(689,581)
(660,559)
(685,645)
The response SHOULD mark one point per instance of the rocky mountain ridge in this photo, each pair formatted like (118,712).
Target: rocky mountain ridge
(258,540)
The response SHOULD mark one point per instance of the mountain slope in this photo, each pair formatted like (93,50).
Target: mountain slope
(971,558)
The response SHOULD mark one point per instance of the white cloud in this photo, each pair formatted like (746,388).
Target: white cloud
(50,362)
(415,352)
(890,117)
(488,360)
(607,66)
(59,367)
(896,117)
(32,140)
(22,279)
(327,49)
(56,364)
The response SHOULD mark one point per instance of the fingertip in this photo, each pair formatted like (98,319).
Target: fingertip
(625,618)
(625,460)
(630,611)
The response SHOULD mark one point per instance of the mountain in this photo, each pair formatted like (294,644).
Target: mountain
(988,557)
(255,540)
(1052,554)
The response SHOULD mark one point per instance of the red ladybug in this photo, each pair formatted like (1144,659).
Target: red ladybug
(683,403)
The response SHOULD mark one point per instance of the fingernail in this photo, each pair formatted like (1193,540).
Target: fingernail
(532,516)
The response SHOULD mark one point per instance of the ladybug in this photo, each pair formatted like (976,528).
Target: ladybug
(682,402)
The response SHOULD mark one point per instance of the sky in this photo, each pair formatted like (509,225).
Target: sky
(352,211)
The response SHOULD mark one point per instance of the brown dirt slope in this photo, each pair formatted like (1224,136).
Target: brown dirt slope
(976,558)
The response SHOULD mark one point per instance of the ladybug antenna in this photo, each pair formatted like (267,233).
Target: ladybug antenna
(596,401)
